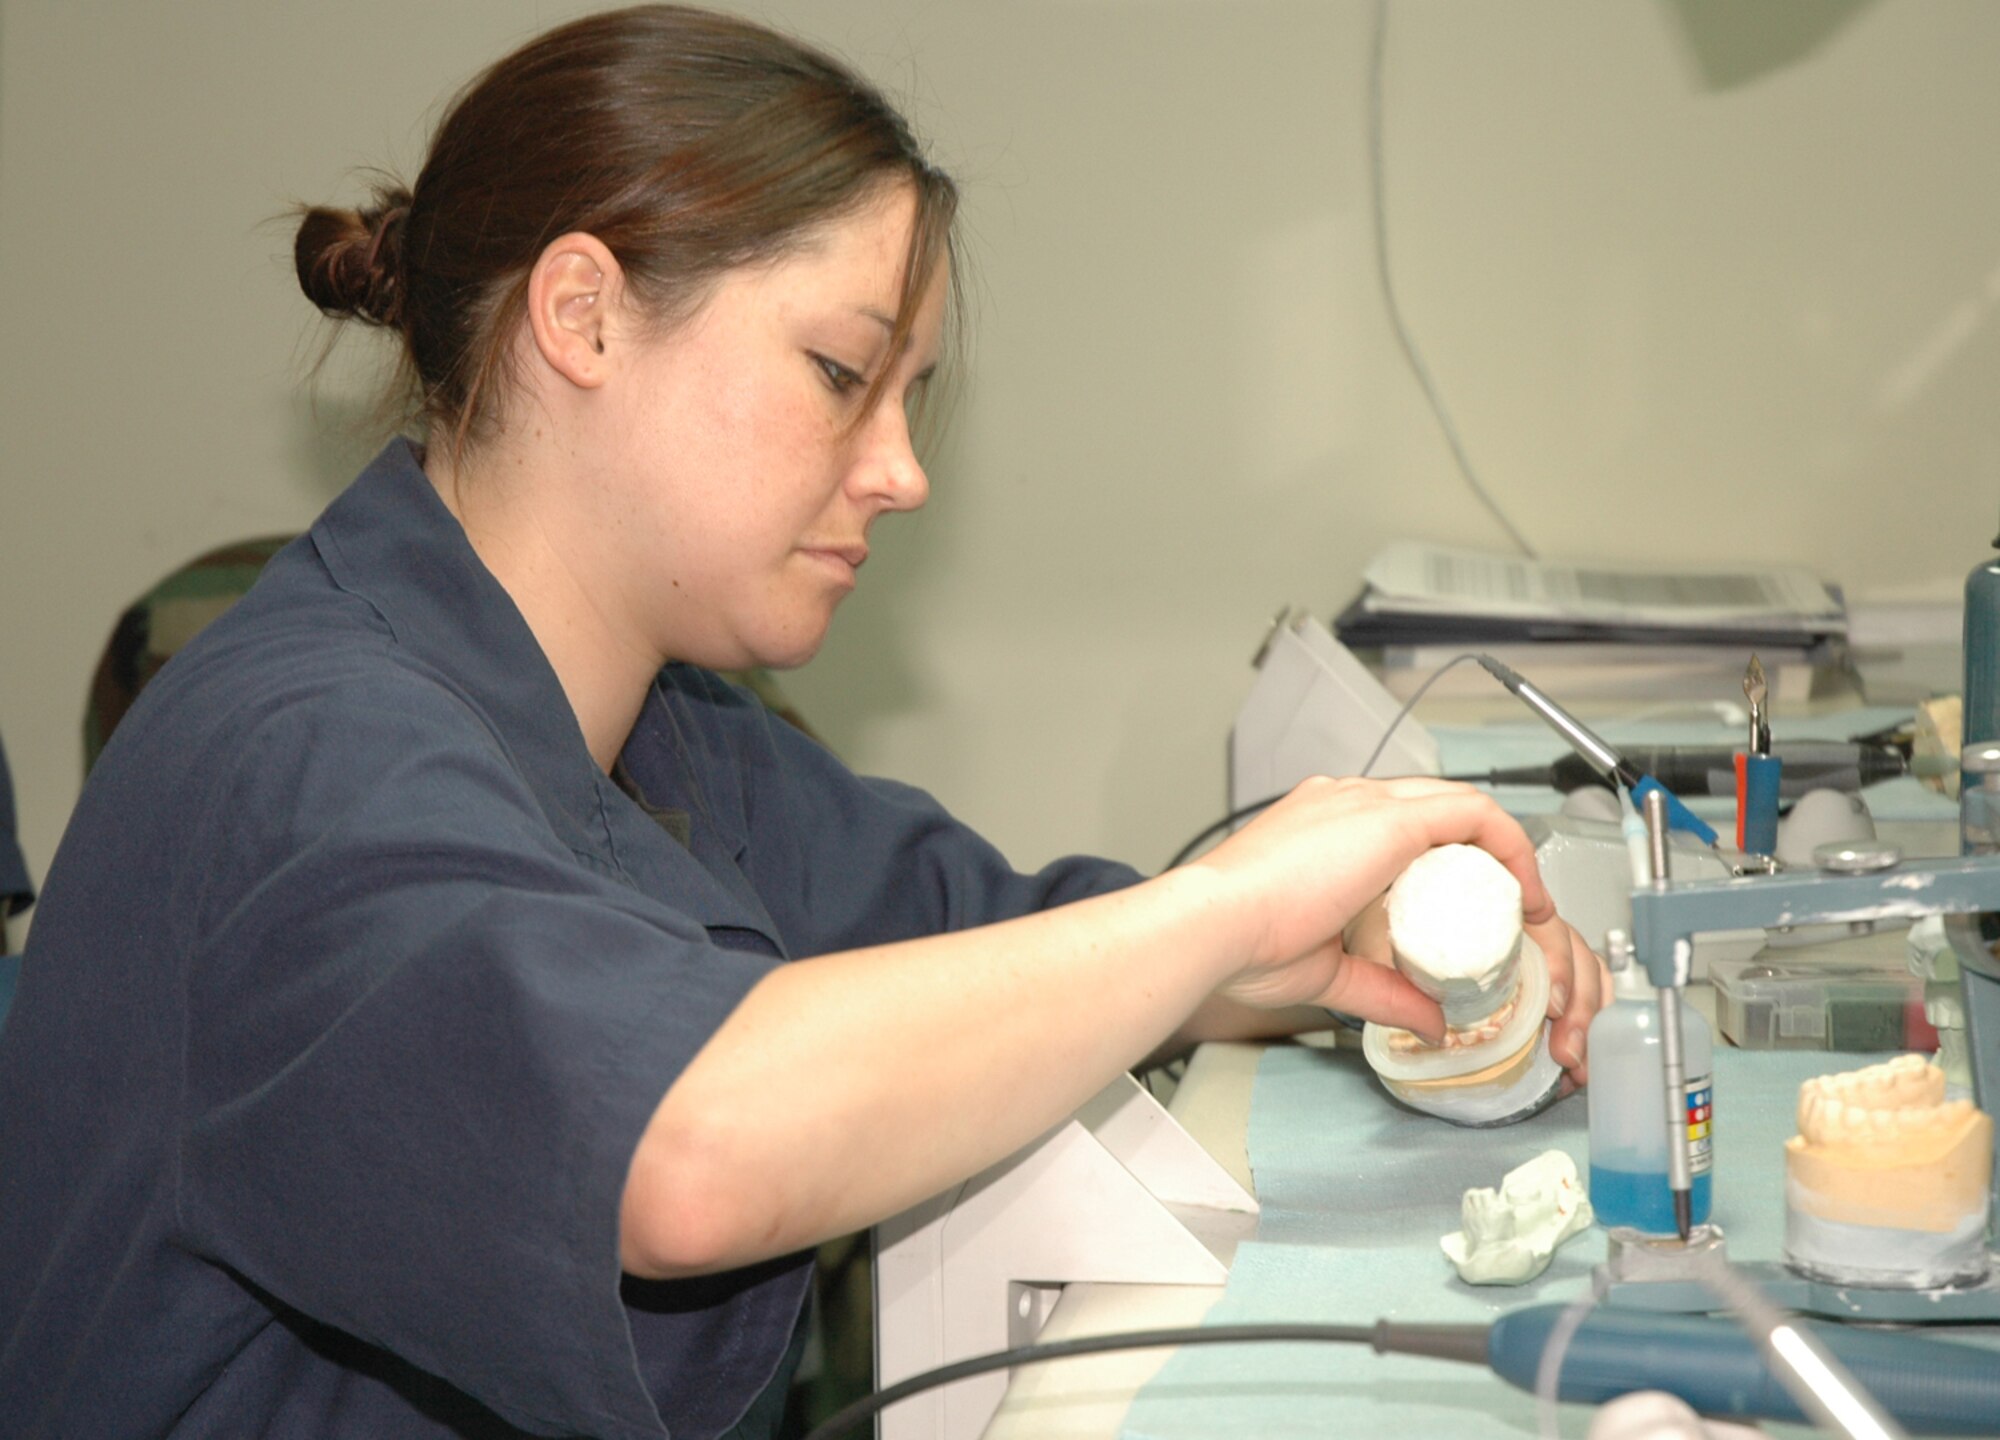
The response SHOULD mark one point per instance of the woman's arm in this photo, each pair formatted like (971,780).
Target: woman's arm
(850,1087)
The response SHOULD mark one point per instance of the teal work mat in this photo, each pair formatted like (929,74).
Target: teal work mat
(1356,1192)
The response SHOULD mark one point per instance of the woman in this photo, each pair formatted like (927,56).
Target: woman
(409,1046)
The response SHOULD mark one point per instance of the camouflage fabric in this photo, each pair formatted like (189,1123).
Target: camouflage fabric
(159,622)
(17,891)
(170,614)
(839,1365)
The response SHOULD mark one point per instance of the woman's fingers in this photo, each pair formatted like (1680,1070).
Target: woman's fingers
(1368,934)
(1578,986)
(1384,995)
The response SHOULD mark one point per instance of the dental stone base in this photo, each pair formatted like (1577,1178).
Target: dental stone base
(1869,1255)
(1512,1089)
(1887,1182)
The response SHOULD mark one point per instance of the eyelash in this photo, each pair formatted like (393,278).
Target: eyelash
(844,381)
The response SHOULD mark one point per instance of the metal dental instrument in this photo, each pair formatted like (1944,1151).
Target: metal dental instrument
(1754,691)
(1759,774)
(1680,1179)
(1613,766)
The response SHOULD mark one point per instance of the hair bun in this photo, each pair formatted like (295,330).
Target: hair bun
(350,262)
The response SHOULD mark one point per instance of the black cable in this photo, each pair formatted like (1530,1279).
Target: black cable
(1411,704)
(848,1416)
(1223,824)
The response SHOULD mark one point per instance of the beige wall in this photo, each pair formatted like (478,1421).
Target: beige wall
(1673,321)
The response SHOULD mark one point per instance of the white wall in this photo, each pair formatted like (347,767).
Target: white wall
(1673,321)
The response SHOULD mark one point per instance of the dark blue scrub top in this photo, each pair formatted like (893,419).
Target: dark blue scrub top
(353,986)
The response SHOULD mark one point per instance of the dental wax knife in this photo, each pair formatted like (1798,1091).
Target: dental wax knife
(1614,767)
(1759,773)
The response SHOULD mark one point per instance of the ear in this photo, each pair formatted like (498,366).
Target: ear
(571,293)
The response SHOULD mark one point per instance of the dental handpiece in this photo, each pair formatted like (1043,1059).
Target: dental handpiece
(1614,767)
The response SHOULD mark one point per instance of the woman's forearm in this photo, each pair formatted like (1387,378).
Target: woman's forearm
(852,1086)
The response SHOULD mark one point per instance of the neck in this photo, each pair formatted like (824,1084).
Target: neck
(604,675)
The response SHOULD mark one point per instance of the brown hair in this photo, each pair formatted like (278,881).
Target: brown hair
(689,143)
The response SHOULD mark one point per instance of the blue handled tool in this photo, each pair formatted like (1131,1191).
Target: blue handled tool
(1759,773)
(1758,778)
(1932,1387)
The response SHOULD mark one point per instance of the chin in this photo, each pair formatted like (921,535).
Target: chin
(788,651)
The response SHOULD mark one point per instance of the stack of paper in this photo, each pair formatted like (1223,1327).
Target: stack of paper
(1593,630)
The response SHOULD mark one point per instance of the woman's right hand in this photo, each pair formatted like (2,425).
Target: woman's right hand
(1302,871)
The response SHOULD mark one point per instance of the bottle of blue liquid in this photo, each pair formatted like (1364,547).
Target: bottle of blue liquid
(1982,653)
(1628,1108)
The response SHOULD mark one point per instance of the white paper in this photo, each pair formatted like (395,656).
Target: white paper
(1418,578)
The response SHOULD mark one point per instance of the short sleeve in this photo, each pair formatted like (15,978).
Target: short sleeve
(422,1049)
(841,860)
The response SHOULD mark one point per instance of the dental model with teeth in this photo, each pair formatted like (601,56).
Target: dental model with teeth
(1887,1182)
(1455,925)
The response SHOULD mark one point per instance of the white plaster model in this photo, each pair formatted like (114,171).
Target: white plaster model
(1494,1073)
(1455,923)
(1511,1233)
(1887,1182)
(1454,919)
(1819,817)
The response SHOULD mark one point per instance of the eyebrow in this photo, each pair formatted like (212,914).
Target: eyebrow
(888,324)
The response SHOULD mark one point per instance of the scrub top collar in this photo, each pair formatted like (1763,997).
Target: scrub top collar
(390,541)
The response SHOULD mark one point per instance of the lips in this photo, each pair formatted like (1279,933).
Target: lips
(852,556)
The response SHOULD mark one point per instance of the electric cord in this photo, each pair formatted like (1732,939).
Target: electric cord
(1548,1373)
(1411,704)
(1825,1390)
(1383,1336)
(1378,188)
(1207,832)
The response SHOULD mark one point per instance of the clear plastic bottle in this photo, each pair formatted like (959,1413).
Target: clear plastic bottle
(1982,654)
(1627,1104)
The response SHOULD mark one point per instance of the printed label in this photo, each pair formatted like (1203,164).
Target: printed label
(1701,1124)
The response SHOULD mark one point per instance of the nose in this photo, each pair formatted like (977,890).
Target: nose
(887,467)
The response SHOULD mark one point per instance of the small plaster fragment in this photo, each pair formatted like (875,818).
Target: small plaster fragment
(1511,1233)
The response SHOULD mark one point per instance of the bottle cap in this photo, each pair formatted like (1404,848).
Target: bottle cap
(1629,980)
(1982,759)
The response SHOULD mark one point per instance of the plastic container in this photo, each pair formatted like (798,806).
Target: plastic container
(1766,1004)
(1979,796)
(1627,1098)
(1982,654)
